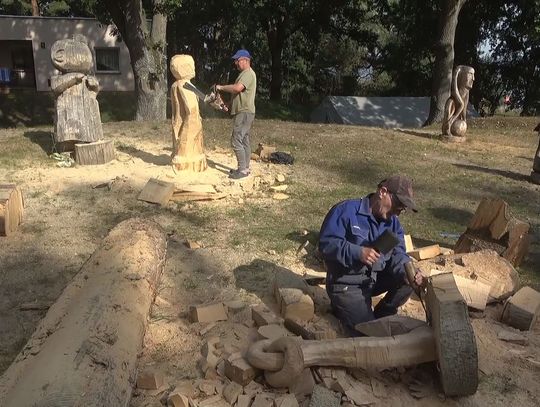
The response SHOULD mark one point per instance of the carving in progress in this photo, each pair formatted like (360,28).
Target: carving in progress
(77,110)
(188,148)
(455,111)
(450,334)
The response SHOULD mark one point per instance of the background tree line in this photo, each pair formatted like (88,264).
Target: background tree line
(305,50)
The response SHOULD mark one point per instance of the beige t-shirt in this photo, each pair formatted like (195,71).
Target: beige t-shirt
(245,101)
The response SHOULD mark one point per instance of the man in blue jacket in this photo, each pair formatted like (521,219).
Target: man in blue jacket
(356,271)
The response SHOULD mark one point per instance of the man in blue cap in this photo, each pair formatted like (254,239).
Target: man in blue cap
(355,269)
(243,111)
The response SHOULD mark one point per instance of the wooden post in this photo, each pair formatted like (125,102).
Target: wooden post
(84,352)
(11,208)
(99,152)
(454,337)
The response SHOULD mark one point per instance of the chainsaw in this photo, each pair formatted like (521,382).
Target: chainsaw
(213,98)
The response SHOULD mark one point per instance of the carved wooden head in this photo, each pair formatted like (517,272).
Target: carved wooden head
(72,55)
(465,76)
(183,67)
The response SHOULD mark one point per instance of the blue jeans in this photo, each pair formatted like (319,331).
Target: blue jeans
(351,303)
(240,139)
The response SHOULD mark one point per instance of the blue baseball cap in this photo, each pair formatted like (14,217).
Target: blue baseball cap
(241,53)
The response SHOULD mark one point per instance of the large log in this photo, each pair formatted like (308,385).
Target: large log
(11,208)
(84,352)
(454,337)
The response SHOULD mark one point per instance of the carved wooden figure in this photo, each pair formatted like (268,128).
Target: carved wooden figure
(454,123)
(77,110)
(188,148)
(535,174)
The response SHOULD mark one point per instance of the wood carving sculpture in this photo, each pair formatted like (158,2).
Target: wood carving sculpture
(77,110)
(535,174)
(188,149)
(455,110)
(449,340)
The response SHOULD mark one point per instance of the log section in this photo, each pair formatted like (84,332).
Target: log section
(11,208)
(84,352)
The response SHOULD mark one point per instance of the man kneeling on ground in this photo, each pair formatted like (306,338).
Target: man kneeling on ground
(355,270)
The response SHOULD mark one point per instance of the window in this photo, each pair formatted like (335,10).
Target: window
(107,59)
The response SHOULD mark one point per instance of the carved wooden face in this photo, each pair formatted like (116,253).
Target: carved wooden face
(71,56)
(466,77)
(183,67)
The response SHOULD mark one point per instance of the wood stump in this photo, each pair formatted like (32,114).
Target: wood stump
(493,227)
(455,342)
(521,310)
(84,352)
(99,152)
(11,208)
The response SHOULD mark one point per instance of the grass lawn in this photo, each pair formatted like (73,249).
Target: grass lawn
(334,163)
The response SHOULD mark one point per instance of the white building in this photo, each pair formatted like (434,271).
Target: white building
(25,51)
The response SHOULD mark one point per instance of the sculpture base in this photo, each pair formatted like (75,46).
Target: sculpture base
(453,139)
(196,163)
(535,177)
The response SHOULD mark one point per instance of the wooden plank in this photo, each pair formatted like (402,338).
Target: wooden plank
(98,152)
(449,318)
(409,247)
(202,188)
(157,191)
(426,252)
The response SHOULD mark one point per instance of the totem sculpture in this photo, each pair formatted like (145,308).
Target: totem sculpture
(535,174)
(188,149)
(455,110)
(77,116)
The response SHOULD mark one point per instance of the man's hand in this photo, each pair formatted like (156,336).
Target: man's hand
(419,279)
(368,255)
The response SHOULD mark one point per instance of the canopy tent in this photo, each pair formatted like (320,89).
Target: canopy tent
(375,111)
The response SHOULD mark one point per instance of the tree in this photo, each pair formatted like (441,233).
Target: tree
(444,58)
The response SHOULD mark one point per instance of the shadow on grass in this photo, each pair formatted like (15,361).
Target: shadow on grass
(504,173)
(44,139)
(458,216)
(420,134)
(147,157)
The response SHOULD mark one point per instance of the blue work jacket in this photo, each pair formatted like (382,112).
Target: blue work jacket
(346,229)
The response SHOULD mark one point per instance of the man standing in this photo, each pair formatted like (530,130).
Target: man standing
(356,271)
(242,110)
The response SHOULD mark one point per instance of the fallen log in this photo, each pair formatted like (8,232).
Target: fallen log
(84,352)
(522,309)
(11,208)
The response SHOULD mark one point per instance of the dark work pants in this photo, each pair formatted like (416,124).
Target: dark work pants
(351,304)
(240,139)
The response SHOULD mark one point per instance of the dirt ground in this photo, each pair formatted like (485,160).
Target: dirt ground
(66,218)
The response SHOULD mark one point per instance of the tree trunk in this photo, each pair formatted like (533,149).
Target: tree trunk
(35,8)
(147,54)
(276,39)
(444,59)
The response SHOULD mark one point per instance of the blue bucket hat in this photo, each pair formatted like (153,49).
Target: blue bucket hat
(241,53)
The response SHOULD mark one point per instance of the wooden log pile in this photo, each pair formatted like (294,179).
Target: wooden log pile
(494,227)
